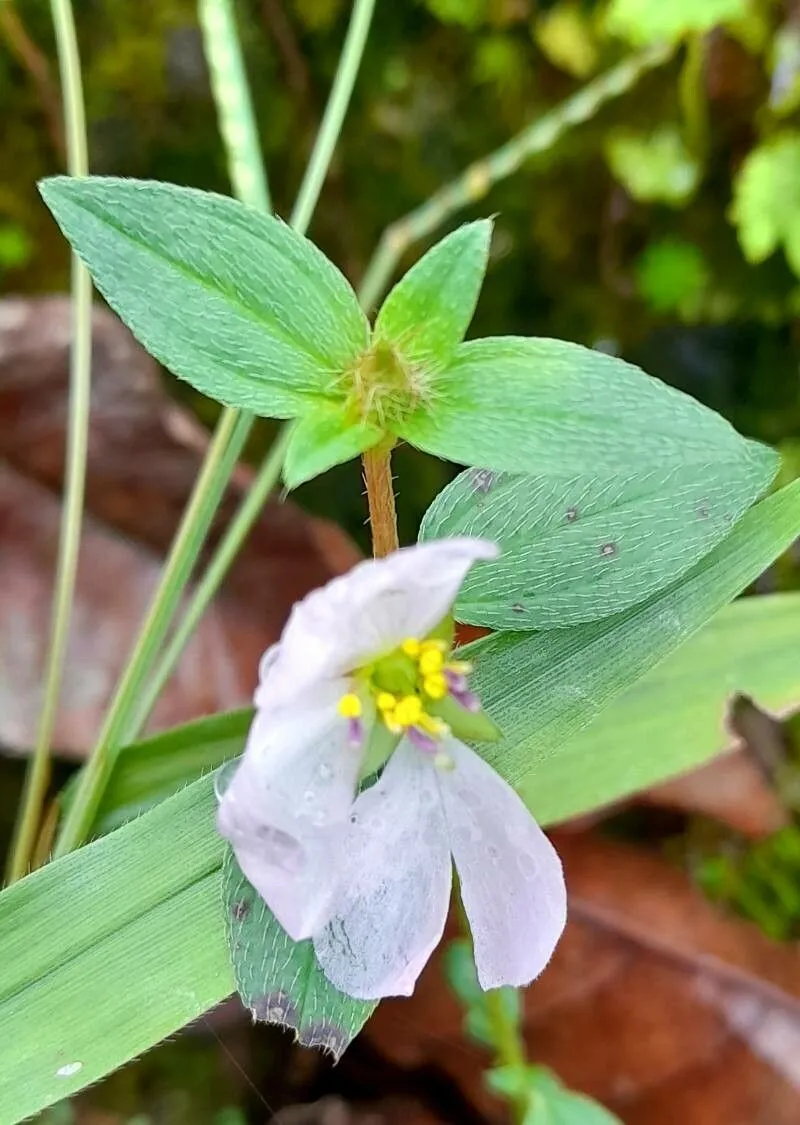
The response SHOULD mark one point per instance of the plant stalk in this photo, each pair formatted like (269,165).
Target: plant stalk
(224,556)
(335,110)
(38,775)
(380,497)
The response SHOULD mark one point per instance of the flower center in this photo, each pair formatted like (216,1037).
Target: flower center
(407,690)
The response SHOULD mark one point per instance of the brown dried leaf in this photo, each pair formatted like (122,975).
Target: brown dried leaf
(655,1003)
(143,458)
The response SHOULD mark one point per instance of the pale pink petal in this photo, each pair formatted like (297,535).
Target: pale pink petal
(367,613)
(286,808)
(395,888)
(512,884)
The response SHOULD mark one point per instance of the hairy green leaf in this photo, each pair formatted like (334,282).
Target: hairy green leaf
(673,719)
(147,772)
(108,950)
(231,300)
(322,439)
(542,688)
(279,979)
(576,550)
(551,408)
(427,313)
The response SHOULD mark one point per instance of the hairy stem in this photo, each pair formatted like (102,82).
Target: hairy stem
(476,180)
(38,774)
(380,497)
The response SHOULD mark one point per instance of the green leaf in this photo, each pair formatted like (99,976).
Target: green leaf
(322,439)
(550,1102)
(149,771)
(673,719)
(427,313)
(766,200)
(231,300)
(651,21)
(551,408)
(278,979)
(108,950)
(543,688)
(653,167)
(576,550)
(567,34)
(479,1022)
(672,276)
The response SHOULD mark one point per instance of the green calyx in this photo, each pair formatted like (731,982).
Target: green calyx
(382,387)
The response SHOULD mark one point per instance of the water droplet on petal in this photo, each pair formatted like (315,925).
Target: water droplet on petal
(325,771)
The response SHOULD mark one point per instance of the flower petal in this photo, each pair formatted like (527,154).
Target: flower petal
(286,807)
(512,884)
(368,612)
(395,890)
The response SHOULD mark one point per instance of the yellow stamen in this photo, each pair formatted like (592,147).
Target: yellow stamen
(349,706)
(431,725)
(458,667)
(408,711)
(431,660)
(386,701)
(411,647)
(435,686)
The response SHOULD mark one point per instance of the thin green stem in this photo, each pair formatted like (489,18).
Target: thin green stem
(221,456)
(75,477)
(476,180)
(506,1039)
(692,92)
(223,453)
(246,515)
(237,120)
(335,111)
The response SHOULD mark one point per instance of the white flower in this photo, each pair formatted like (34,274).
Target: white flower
(369,878)
(392,905)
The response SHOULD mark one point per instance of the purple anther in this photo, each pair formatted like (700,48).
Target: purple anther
(355,733)
(422,741)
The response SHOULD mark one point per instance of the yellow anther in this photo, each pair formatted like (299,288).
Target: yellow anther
(386,701)
(411,647)
(432,725)
(408,711)
(459,667)
(435,686)
(431,660)
(349,706)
